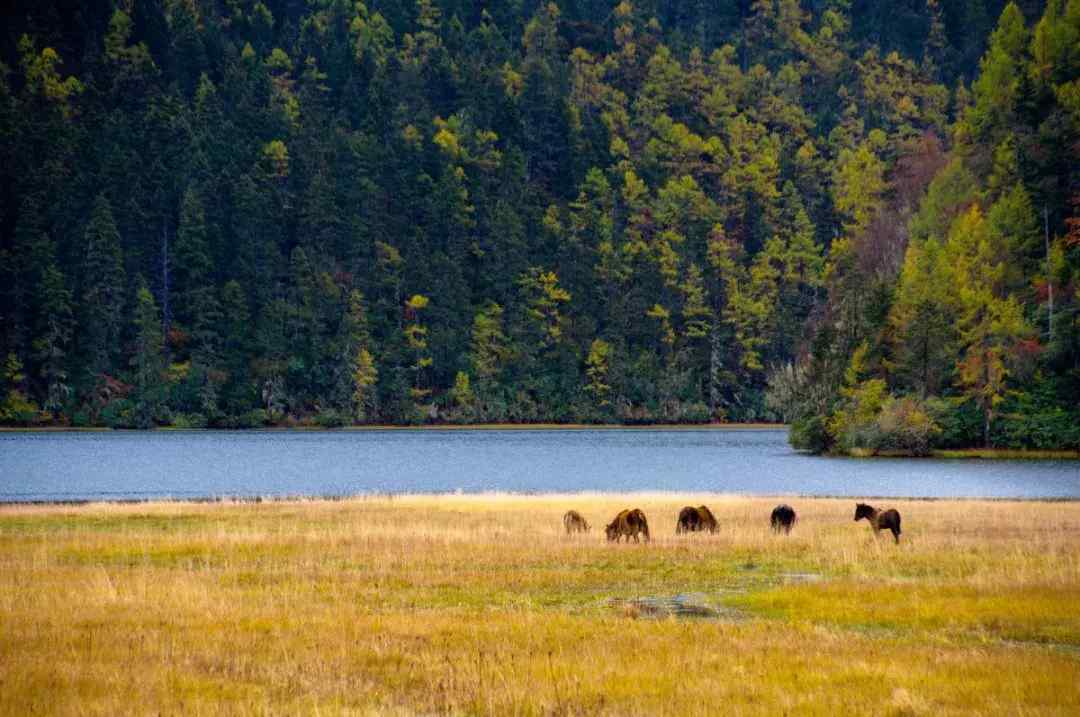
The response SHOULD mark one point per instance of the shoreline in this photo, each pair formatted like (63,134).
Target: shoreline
(858,453)
(426,427)
(987,454)
(505,496)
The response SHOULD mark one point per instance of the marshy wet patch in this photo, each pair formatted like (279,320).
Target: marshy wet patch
(789,578)
(685,605)
(1064,648)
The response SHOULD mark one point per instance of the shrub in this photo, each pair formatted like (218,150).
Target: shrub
(899,425)
(810,434)
(696,412)
(1028,423)
(905,426)
(188,420)
(81,418)
(119,413)
(17,410)
(852,425)
(960,421)
(331,418)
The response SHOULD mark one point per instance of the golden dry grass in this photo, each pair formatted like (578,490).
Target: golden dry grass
(479,604)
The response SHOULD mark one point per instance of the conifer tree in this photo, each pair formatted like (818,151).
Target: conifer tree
(53,343)
(102,300)
(147,363)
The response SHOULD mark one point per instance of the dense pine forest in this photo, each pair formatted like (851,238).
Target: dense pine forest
(858,216)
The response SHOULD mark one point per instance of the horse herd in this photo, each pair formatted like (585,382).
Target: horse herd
(631,522)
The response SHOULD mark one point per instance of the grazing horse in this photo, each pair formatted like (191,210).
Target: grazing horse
(783,518)
(879,519)
(692,519)
(575,523)
(628,523)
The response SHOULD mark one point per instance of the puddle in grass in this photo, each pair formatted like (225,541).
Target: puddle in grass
(689,605)
(699,606)
(1067,648)
(800,577)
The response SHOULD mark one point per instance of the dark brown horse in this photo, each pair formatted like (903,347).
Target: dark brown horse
(888,519)
(628,523)
(692,519)
(783,518)
(575,523)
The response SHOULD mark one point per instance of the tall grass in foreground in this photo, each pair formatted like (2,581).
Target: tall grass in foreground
(480,604)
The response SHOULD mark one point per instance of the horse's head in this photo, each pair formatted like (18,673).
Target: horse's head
(862,510)
(612,531)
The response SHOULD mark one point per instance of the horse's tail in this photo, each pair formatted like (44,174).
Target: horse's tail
(645,528)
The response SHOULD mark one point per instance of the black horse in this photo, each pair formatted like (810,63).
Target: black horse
(880,519)
(692,519)
(783,518)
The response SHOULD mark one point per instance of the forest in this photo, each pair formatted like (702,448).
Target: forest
(859,217)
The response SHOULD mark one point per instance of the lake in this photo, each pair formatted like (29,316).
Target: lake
(196,464)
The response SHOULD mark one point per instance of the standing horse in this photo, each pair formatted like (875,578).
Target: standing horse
(628,523)
(783,518)
(888,519)
(575,523)
(692,519)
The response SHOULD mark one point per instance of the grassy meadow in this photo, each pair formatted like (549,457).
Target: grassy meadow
(480,604)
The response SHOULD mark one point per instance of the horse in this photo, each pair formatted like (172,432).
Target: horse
(888,519)
(628,523)
(692,519)
(783,518)
(575,523)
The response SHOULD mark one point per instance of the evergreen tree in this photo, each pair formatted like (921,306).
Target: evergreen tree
(53,343)
(147,363)
(102,300)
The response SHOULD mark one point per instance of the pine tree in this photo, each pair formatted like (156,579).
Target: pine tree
(359,370)
(54,338)
(147,362)
(16,408)
(102,301)
(923,320)
(488,350)
(991,324)
(415,333)
(597,368)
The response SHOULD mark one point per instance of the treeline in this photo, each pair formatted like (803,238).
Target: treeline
(966,330)
(239,213)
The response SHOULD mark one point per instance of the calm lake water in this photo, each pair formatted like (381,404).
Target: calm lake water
(122,465)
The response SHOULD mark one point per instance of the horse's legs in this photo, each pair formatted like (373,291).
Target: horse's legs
(896,535)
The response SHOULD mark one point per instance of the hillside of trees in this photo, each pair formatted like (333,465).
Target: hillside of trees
(859,216)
